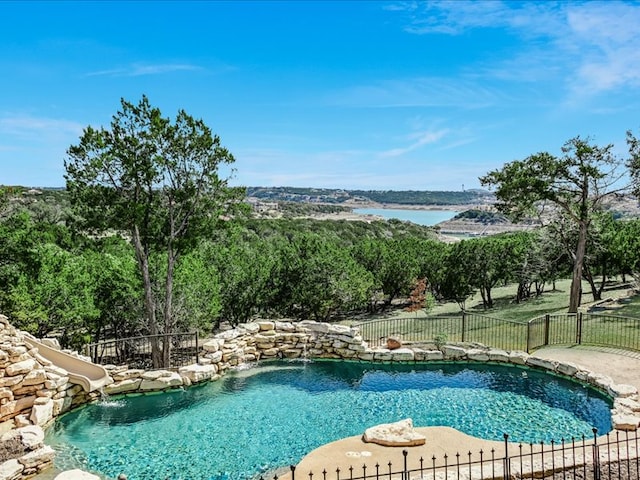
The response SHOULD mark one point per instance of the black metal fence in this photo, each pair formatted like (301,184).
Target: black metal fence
(584,328)
(557,329)
(614,456)
(137,352)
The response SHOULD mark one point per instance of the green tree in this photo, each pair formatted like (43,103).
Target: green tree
(157,182)
(117,287)
(576,184)
(457,283)
(58,295)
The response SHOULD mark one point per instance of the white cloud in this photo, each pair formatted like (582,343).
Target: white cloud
(419,140)
(591,47)
(26,126)
(140,69)
(417,92)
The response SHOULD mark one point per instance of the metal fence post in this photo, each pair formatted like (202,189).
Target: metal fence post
(405,473)
(579,328)
(547,323)
(507,460)
(596,456)
(198,351)
(464,325)
(529,323)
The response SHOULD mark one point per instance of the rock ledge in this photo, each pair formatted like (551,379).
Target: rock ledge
(398,434)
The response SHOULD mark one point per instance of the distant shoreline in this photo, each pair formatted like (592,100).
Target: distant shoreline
(402,206)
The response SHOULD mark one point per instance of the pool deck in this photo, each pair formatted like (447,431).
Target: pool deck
(622,366)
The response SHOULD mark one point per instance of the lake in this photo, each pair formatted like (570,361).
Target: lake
(419,217)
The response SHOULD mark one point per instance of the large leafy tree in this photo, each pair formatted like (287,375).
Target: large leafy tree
(155,181)
(575,184)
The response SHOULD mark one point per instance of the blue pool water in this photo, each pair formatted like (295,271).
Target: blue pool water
(272,415)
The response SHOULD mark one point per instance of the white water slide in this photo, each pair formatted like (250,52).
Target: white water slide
(89,375)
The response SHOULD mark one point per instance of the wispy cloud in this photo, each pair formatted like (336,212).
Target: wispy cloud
(416,92)
(141,69)
(418,140)
(27,126)
(592,47)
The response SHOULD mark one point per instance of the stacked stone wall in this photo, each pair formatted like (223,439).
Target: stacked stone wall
(33,391)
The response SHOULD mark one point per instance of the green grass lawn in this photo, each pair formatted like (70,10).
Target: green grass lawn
(504,326)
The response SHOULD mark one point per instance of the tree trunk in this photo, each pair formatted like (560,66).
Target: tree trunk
(149,301)
(592,284)
(168,308)
(575,292)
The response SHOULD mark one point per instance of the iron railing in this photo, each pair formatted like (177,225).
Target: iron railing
(614,456)
(584,329)
(137,352)
(556,329)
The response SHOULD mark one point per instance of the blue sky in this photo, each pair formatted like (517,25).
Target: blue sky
(372,95)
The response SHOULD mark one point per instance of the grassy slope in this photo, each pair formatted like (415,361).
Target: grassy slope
(549,302)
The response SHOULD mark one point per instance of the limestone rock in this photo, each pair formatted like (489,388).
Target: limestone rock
(127,374)
(38,457)
(453,352)
(171,379)
(10,469)
(265,326)
(212,345)
(35,377)
(518,358)
(198,373)
(628,403)
(42,414)
(76,474)
(568,369)
(625,422)
(429,355)
(496,355)
(478,355)
(402,355)
(622,391)
(542,363)
(129,385)
(32,436)
(20,368)
(398,434)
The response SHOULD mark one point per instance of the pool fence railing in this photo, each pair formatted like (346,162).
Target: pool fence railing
(551,329)
(174,350)
(613,456)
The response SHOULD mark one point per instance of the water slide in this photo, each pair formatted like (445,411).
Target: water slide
(89,375)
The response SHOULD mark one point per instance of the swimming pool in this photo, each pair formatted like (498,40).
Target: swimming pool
(272,415)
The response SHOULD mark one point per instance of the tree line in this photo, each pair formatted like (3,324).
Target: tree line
(156,240)
(87,288)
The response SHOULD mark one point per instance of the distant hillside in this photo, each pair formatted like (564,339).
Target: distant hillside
(406,197)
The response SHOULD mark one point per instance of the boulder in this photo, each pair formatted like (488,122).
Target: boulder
(11,469)
(32,436)
(173,379)
(402,355)
(38,457)
(76,474)
(21,368)
(625,422)
(129,385)
(41,414)
(198,373)
(398,434)
(622,390)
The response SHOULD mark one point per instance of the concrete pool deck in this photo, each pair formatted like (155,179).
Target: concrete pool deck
(621,365)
